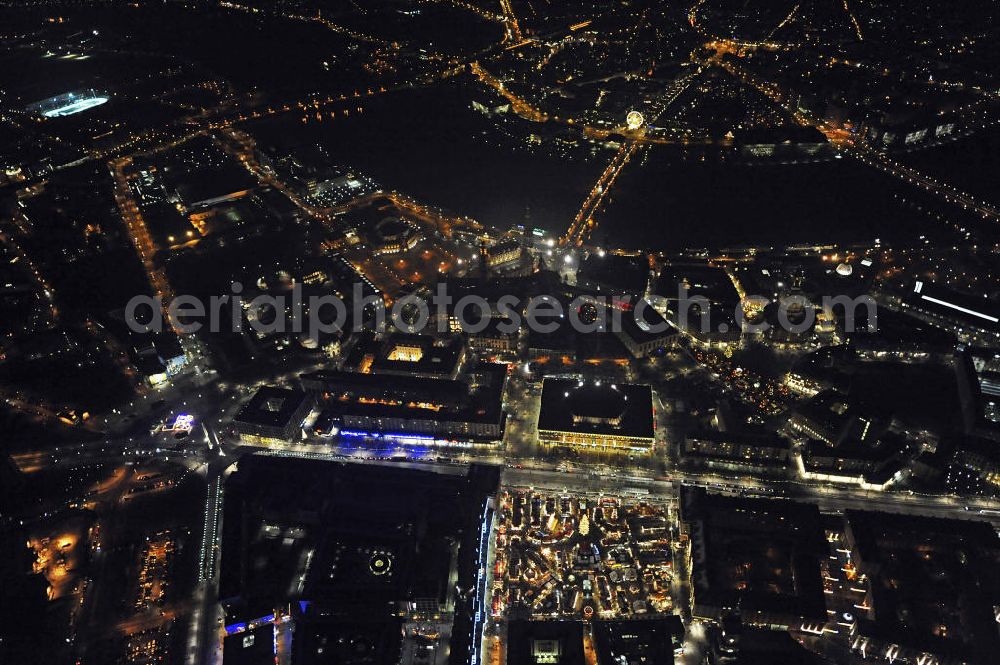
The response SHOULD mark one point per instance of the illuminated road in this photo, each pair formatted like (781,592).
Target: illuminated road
(202,646)
(146,248)
(137,229)
(479,11)
(318,18)
(43,286)
(586,477)
(929,184)
(844,140)
(584,223)
(854,22)
(828,499)
(788,19)
(510,21)
(606,479)
(848,144)
(242,146)
(520,106)
(315,107)
(598,475)
(670,136)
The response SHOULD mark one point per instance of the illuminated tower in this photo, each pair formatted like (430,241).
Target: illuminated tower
(484,259)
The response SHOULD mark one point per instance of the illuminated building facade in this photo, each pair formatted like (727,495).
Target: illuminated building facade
(403,354)
(974,467)
(803,385)
(737,451)
(393,235)
(414,409)
(545,643)
(504,253)
(646,333)
(492,341)
(787,142)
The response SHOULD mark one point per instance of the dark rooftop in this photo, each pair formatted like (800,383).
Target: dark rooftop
(645,324)
(771,647)
(614,274)
(372,385)
(251,647)
(377,535)
(759,555)
(644,642)
(601,408)
(783,134)
(271,407)
(207,184)
(545,642)
(960,306)
(933,582)
(699,280)
(321,642)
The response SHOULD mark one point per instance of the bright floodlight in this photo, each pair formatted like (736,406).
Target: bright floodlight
(634,120)
(76,106)
(68,103)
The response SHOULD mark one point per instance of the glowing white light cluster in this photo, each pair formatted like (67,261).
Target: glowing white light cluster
(74,105)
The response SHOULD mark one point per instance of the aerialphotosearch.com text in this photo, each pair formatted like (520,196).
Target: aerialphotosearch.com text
(316,315)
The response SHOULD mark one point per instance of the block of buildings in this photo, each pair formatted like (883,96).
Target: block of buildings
(760,557)
(273,416)
(933,589)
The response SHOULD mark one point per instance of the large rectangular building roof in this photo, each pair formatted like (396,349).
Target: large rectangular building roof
(596,408)
(271,407)
(376,386)
(761,556)
(480,399)
(635,642)
(545,643)
(250,647)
